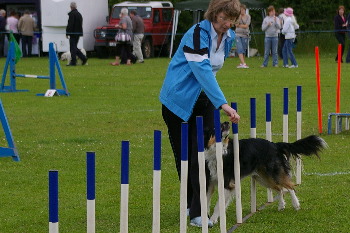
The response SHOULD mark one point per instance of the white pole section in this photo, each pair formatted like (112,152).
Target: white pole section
(184,177)
(156,181)
(124,189)
(220,171)
(202,178)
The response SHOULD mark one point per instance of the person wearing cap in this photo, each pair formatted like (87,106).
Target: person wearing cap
(289,27)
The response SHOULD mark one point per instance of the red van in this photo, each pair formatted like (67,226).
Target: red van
(157,17)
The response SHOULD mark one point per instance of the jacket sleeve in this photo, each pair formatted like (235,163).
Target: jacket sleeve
(196,51)
(70,24)
(264,25)
(285,26)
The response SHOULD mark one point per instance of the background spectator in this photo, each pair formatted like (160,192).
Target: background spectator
(340,27)
(26,26)
(2,31)
(138,29)
(12,24)
(271,25)
(289,27)
(242,35)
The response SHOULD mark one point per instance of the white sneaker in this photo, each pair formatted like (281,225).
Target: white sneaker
(286,66)
(197,222)
(293,66)
(245,66)
(240,66)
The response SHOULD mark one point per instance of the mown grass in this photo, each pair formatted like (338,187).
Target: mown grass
(110,104)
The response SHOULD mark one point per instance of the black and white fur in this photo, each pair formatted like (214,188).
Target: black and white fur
(268,162)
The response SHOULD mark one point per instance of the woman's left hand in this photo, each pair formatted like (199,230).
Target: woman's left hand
(231,113)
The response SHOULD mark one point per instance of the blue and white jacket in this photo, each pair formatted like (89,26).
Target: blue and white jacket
(190,72)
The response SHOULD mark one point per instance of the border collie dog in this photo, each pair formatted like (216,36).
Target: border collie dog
(266,161)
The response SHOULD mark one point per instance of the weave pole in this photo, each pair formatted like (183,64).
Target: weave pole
(124,187)
(337,105)
(53,201)
(202,178)
(285,114)
(268,135)
(299,117)
(318,84)
(90,192)
(184,177)
(220,171)
(237,170)
(252,135)
(156,180)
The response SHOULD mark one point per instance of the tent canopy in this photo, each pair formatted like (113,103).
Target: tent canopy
(202,5)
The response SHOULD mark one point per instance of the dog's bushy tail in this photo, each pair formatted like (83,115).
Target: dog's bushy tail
(311,145)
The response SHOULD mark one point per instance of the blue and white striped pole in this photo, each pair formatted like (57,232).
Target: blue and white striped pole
(252,135)
(237,169)
(285,114)
(220,171)
(90,192)
(53,201)
(184,177)
(269,135)
(299,117)
(202,178)
(124,189)
(156,180)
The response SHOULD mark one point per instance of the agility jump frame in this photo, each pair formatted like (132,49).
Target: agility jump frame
(11,150)
(53,63)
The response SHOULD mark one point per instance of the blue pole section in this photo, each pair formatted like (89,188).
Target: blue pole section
(217,125)
(299,98)
(12,68)
(268,107)
(90,175)
(184,141)
(200,136)
(53,196)
(52,67)
(157,149)
(8,60)
(252,113)
(125,163)
(285,101)
(234,126)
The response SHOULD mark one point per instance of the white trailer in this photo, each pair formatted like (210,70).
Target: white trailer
(54,19)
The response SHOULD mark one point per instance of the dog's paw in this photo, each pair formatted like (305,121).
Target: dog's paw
(214,219)
(281,205)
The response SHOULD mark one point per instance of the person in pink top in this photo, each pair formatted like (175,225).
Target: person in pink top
(12,24)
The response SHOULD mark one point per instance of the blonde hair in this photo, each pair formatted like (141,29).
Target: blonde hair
(231,8)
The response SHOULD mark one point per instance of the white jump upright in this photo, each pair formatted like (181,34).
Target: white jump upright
(90,192)
(299,117)
(253,135)
(53,201)
(124,189)
(202,177)
(268,135)
(184,177)
(220,171)
(237,169)
(156,180)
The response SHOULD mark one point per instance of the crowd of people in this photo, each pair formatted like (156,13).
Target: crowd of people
(23,28)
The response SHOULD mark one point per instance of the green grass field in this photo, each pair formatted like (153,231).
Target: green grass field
(110,104)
